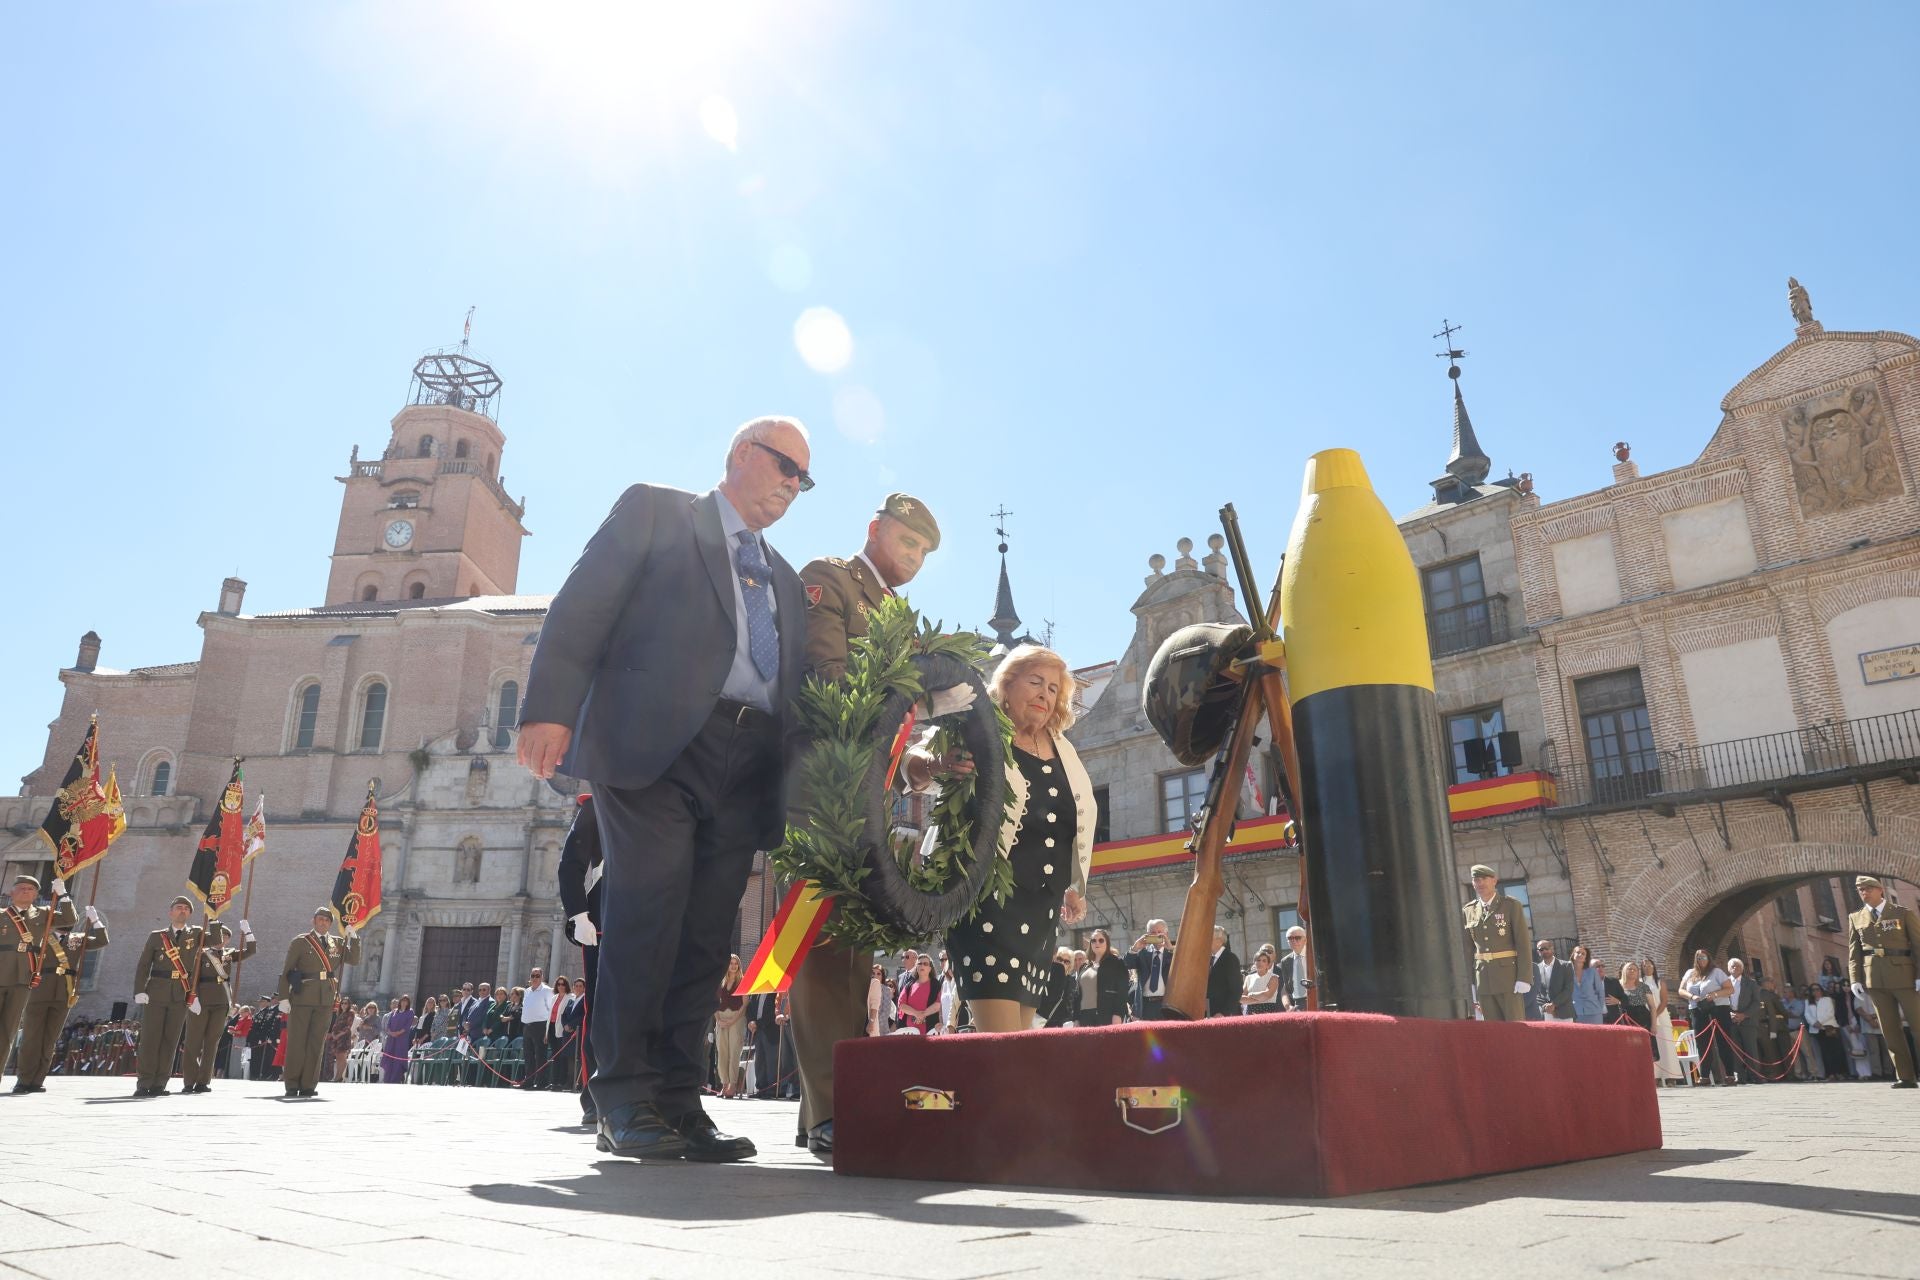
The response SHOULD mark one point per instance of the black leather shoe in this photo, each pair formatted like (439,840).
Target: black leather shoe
(706,1143)
(638,1131)
(800,1139)
(22,1088)
(1906,1084)
(820,1140)
(38,1088)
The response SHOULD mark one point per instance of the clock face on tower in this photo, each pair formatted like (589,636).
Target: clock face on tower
(399,534)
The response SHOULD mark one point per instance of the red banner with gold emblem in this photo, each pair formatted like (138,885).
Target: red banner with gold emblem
(356,890)
(84,818)
(219,861)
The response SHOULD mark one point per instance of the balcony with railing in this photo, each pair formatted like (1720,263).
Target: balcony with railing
(1477,624)
(1835,753)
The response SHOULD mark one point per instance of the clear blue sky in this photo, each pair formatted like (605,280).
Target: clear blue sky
(1110,265)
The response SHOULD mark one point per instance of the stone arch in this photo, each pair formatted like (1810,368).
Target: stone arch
(1656,913)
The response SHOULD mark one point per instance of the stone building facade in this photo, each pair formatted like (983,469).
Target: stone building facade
(1707,679)
(408,675)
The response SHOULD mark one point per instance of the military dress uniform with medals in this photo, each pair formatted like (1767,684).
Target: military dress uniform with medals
(309,984)
(1498,940)
(1881,957)
(829,993)
(22,933)
(215,991)
(165,974)
(47,1007)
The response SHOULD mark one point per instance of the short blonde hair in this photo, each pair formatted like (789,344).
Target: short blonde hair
(1024,659)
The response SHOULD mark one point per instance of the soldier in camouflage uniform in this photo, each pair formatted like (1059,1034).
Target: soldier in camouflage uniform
(830,990)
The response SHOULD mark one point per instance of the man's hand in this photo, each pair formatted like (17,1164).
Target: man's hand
(1521,988)
(542,747)
(946,702)
(583,931)
(141,998)
(60,887)
(286,1006)
(193,1005)
(93,914)
(1546,1006)
(1073,908)
(1859,991)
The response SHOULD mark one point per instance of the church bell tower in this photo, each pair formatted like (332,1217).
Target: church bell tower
(430,519)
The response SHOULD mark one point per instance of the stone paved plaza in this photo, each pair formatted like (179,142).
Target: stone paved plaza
(1794,1179)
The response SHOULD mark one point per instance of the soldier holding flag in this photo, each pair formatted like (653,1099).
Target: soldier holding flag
(310,978)
(165,973)
(49,1002)
(24,933)
(215,992)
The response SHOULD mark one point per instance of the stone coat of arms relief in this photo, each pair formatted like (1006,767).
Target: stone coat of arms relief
(1841,448)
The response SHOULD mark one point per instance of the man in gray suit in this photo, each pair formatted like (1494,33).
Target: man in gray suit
(665,675)
(1552,986)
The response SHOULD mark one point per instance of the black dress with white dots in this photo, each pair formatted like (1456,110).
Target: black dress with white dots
(1002,953)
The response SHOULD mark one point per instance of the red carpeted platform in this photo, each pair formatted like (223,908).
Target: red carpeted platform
(1316,1104)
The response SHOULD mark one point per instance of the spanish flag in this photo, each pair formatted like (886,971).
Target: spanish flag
(791,935)
(356,889)
(85,818)
(220,858)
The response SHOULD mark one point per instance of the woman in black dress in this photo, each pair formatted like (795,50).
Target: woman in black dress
(1000,954)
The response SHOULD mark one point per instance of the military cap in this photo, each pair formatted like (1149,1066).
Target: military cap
(1865,882)
(1481,869)
(26,879)
(326,911)
(913,513)
(181,900)
(219,927)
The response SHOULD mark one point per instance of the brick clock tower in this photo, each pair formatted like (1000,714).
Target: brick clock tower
(430,520)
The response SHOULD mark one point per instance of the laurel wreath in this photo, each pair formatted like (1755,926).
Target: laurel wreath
(842,720)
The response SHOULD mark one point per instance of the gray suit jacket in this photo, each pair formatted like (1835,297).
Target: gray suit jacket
(638,643)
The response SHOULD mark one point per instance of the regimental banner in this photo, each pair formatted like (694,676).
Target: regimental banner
(257,829)
(356,890)
(85,817)
(220,859)
(1491,797)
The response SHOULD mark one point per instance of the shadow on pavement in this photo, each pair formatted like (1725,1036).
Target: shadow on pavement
(684,1193)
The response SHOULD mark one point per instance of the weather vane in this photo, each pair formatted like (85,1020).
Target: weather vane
(1450,353)
(1000,525)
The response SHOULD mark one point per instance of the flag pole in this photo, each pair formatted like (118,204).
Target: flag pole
(246,913)
(86,935)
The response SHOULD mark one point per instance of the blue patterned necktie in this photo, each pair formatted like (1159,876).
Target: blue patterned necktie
(755,580)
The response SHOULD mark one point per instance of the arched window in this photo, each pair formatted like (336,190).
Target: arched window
(307,719)
(426,446)
(460,449)
(373,716)
(162,778)
(370,593)
(418,591)
(506,714)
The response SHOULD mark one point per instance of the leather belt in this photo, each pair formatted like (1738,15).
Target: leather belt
(1888,951)
(744,716)
(1495,955)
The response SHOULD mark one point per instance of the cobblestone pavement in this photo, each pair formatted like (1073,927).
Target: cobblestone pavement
(1781,1180)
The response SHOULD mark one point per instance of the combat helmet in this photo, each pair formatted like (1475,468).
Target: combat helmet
(1188,697)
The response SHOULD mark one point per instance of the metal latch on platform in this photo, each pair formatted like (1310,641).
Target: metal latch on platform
(1150,1097)
(922,1097)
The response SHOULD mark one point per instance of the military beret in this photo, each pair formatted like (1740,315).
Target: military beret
(1865,882)
(26,879)
(181,900)
(1481,869)
(913,513)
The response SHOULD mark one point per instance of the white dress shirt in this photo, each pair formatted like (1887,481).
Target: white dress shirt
(537,1004)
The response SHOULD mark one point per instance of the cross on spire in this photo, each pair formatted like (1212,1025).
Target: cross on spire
(1448,352)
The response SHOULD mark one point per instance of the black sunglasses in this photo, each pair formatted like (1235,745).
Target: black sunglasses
(788,467)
